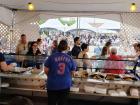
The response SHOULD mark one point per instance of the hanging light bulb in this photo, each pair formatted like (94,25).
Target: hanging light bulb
(133,7)
(31,6)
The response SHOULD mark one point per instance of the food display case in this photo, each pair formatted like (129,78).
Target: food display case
(87,85)
(108,85)
(83,88)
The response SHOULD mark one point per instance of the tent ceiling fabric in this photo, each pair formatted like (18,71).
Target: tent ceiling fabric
(73,5)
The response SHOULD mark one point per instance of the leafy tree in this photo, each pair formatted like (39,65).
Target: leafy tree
(41,21)
(69,22)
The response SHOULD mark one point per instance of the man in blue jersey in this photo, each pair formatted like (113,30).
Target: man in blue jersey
(59,68)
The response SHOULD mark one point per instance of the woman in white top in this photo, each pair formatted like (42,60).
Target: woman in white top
(136,54)
(84,63)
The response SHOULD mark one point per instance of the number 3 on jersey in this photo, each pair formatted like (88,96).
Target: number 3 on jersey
(61,68)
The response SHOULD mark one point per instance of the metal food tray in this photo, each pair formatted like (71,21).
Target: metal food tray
(20,70)
(116,77)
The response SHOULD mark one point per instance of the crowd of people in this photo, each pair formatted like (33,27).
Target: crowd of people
(86,36)
(98,38)
(63,62)
(91,38)
(59,67)
(78,50)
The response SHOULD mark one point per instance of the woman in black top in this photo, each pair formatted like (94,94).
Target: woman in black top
(33,49)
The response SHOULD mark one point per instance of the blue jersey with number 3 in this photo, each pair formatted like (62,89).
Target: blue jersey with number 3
(60,66)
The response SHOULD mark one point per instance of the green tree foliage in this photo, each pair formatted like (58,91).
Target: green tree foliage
(41,21)
(69,22)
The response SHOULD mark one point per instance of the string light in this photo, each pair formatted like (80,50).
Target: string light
(31,6)
(133,7)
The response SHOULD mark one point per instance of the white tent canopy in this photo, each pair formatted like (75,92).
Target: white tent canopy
(84,24)
(6,16)
(117,10)
(72,5)
(105,9)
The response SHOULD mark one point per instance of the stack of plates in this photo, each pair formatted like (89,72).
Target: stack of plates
(74,89)
(134,92)
(5,85)
(100,89)
(113,93)
(89,89)
(118,92)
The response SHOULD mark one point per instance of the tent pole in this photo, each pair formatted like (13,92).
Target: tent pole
(77,27)
(12,28)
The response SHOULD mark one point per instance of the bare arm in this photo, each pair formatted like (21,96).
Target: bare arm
(17,49)
(130,56)
(73,73)
(46,70)
(133,56)
(6,67)
(86,61)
